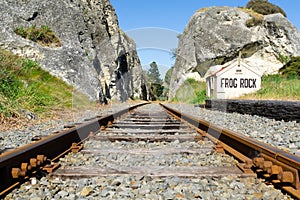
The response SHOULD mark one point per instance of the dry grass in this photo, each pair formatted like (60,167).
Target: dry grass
(42,35)
(256,19)
(252,13)
(202,10)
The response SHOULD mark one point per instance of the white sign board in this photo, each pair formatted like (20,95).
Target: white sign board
(233,81)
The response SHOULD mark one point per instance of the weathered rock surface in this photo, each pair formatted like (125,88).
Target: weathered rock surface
(96,56)
(214,36)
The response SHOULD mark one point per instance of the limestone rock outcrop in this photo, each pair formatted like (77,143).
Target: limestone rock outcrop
(216,35)
(96,57)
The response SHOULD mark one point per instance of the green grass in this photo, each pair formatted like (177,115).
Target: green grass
(24,85)
(277,87)
(42,35)
(191,91)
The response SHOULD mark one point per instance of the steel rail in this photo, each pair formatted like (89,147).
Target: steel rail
(281,167)
(16,165)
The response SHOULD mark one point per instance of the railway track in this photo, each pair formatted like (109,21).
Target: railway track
(153,142)
(147,134)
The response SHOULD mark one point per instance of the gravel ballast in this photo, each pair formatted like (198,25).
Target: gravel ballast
(281,134)
(140,187)
(17,137)
(144,187)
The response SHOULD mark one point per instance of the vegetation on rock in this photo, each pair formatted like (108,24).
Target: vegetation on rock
(264,7)
(202,9)
(43,35)
(291,69)
(25,86)
(283,58)
(256,19)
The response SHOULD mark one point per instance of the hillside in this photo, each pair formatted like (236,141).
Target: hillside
(26,90)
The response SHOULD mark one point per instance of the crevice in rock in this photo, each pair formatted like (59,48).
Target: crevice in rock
(97,65)
(144,91)
(123,64)
(89,4)
(107,92)
(80,39)
(34,15)
(272,28)
(102,97)
(249,49)
(104,22)
(123,77)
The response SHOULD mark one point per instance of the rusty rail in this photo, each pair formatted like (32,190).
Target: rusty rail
(280,167)
(16,165)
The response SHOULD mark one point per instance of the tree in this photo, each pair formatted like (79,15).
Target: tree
(155,83)
(153,74)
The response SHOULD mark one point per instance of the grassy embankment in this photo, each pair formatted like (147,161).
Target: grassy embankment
(282,86)
(25,86)
(277,87)
(192,92)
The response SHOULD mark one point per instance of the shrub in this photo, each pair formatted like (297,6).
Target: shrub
(291,69)
(253,22)
(191,91)
(43,35)
(283,58)
(264,7)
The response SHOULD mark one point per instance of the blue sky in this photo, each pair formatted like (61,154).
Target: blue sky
(155,24)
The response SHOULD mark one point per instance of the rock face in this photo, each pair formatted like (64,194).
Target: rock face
(215,35)
(96,56)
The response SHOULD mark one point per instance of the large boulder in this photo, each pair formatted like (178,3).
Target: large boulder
(96,56)
(216,35)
